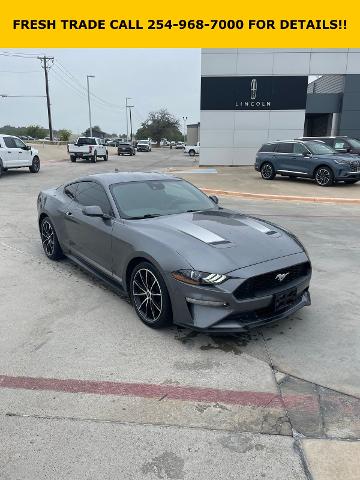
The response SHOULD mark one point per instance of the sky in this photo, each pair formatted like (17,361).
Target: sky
(153,78)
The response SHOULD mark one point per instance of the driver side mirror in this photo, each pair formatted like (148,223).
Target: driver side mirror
(306,154)
(214,198)
(26,147)
(95,211)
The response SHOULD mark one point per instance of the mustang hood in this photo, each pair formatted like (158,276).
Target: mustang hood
(221,240)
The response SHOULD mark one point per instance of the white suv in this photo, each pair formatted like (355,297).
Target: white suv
(14,153)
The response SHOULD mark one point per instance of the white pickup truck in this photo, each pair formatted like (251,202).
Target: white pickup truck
(14,153)
(192,150)
(88,147)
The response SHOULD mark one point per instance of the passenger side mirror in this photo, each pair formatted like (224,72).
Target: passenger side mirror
(214,198)
(306,154)
(26,147)
(95,211)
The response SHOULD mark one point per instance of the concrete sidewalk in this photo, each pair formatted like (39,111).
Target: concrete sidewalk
(247,180)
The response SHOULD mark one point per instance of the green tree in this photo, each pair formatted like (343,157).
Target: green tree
(64,135)
(35,131)
(96,132)
(158,125)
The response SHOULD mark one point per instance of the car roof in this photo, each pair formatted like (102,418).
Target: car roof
(110,178)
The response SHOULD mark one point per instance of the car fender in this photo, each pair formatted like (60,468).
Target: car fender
(324,162)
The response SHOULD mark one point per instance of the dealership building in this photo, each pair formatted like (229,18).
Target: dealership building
(251,96)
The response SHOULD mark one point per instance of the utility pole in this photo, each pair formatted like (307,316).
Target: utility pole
(88,93)
(184,118)
(126,113)
(46,66)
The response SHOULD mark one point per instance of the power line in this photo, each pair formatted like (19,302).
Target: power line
(20,55)
(13,71)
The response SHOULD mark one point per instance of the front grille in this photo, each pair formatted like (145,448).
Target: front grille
(257,286)
(354,166)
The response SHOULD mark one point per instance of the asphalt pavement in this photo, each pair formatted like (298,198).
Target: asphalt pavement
(88,391)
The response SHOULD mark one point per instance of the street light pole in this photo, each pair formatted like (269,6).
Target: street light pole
(184,118)
(88,92)
(127,121)
(131,130)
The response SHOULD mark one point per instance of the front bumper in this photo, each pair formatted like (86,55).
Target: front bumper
(216,309)
(347,175)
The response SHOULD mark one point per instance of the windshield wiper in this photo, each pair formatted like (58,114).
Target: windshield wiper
(147,215)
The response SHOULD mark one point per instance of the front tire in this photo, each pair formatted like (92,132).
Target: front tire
(72,158)
(192,153)
(267,171)
(35,166)
(106,157)
(49,240)
(94,158)
(150,296)
(324,177)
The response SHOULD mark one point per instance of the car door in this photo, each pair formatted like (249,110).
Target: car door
(10,153)
(301,162)
(90,238)
(285,157)
(24,153)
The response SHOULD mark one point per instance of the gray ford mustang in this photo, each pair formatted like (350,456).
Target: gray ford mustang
(179,256)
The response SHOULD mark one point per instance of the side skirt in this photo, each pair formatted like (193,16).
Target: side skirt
(108,281)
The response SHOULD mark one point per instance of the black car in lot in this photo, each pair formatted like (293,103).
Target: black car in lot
(307,159)
(342,144)
(126,148)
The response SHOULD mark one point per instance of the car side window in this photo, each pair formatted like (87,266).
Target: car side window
(10,142)
(19,143)
(268,147)
(91,193)
(300,148)
(70,190)
(285,147)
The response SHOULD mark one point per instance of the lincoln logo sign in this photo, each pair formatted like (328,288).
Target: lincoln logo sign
(253,88)
(253,94)
(263,92)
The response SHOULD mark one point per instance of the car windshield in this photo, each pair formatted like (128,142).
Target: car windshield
(354,142)
(86,141)
(319,148)
(143,142)
(156,198)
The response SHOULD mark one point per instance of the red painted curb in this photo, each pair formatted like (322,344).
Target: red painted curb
(171,392)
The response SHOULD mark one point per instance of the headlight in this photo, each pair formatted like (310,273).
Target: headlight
(193,277)
(341,162)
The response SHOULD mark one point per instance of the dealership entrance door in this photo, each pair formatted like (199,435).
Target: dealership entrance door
(317,124)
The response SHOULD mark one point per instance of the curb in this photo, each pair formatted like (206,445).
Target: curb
(287,198)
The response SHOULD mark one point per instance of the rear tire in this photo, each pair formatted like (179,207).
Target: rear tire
(192,153)
(49,240)
(1,168)
(35,166)
(324,177)
(94,158)
(72,158)
(267,171)
(106,157)
(149,296)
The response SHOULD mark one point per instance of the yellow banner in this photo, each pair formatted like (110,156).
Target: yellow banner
(321,24)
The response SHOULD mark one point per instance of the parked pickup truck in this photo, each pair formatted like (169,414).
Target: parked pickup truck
(14,153)
(88,147)
(192,150)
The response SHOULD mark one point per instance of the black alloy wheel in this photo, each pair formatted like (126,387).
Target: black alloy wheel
(324,176)
(35,166)
(149,296)
(49,240)
(267,171)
